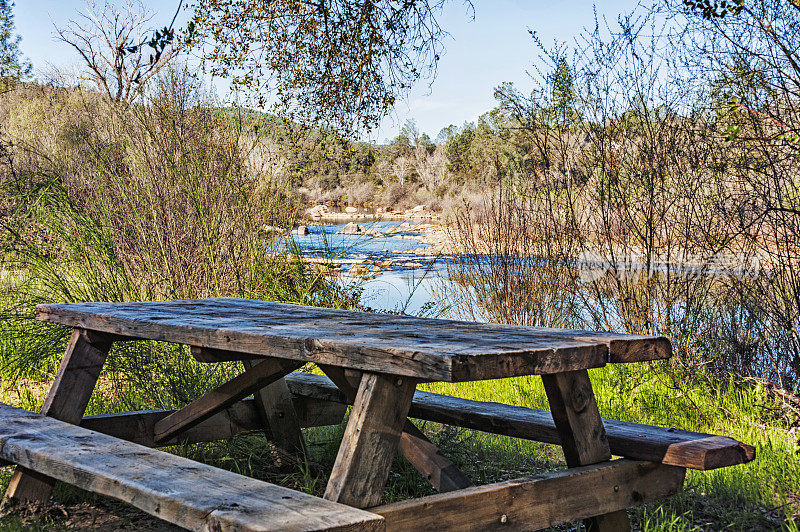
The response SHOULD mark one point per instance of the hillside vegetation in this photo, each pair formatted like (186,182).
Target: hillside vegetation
(649,183)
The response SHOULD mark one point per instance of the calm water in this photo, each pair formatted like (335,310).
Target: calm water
(412,282)
(415,283)
(401,286)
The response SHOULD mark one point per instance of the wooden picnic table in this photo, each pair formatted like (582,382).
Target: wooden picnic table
(375,362)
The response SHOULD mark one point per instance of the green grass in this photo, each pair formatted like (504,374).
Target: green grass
(758,495)
(761,495)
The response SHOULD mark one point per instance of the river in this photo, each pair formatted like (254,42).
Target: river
(398,274)
(407,280)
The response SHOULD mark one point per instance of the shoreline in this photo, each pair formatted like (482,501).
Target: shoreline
(420,219)
(435,241)
(430,244)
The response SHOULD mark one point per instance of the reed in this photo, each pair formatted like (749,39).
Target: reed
(167,199)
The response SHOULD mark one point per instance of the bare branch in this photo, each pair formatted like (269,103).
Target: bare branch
(111,44)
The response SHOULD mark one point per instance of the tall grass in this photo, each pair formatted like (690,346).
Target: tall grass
(166,199)
(756,496)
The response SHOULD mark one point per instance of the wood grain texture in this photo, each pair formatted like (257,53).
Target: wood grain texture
(178,490)
(139,426)
(422,348)
(577,419)
(261,374)
(370,440)
(26,485)
(66,401)
(582,435)
(414,445)
(77,375)
(426,458)
(693,450)
(276,408)
(537,502)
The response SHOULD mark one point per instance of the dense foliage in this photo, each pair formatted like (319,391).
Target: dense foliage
(338,64)
(13,66)
(168,199)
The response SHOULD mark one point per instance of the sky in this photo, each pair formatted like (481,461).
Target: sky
(481,52)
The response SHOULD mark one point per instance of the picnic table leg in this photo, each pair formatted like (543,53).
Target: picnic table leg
(414,445)
(370,440)
(583,437)
(75,381)
(276,407)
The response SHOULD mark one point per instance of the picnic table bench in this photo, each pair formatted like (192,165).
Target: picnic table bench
(374,363)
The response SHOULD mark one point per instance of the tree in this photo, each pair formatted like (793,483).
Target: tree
(751,50)
(446,133)
(411,131)
(402,168)
(431,167)
(748,53)
(458,148)
(711,9)
(563,94)
(13,66)
(114,46)
(334,63)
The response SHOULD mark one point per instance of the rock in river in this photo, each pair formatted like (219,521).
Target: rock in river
(352,229)
(301,230)
(357,270)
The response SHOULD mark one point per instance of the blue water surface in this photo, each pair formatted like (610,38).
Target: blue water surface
(399,289)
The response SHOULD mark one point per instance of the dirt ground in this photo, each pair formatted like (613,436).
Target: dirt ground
(103,516)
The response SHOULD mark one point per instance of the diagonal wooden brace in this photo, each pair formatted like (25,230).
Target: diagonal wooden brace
(261,374)
(275,405)
(274,401)
(414,445)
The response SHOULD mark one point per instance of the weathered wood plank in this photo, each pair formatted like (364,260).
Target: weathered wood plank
(77,375)
(66,401)
(537,502)
(426,458)
(139,427)
(403,345)
(693,450)
(316,413)
(577,419)
(209,355)
(274,403)
(414,445)
(260,375)
(178,490)
(370,440)
(582,435)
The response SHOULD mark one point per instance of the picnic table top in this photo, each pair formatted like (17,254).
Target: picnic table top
(423,348)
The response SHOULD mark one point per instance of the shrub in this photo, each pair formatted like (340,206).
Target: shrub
(154,201)
(397,196)
(361,194)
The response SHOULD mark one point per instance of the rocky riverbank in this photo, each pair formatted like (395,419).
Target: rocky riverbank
(373,252)
(433,237)
(322,214)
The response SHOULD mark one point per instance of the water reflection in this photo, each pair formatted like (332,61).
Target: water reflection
(395,272)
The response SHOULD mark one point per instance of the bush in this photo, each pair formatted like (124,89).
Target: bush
(333,197)
(397,196)
(361,194)
(154,201)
